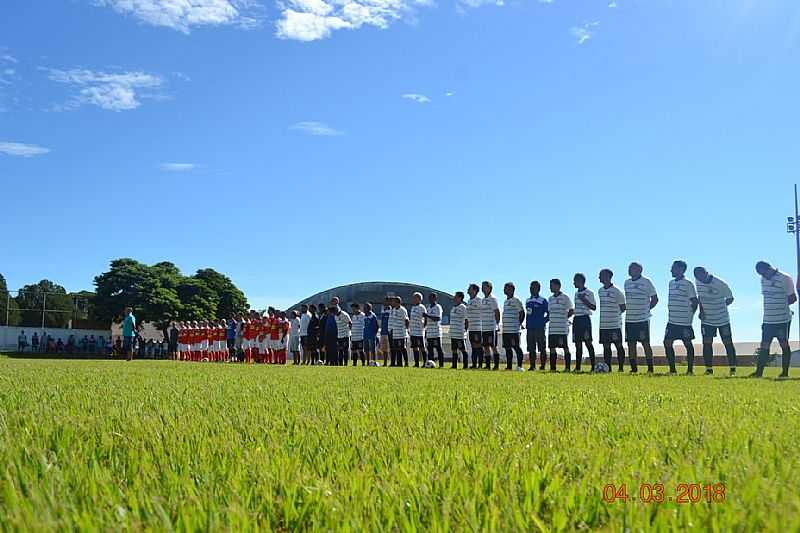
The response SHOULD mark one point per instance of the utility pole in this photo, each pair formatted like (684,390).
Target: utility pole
(793,226)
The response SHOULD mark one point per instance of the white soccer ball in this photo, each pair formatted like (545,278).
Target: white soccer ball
(601,368)
(520,369)
(319,362)
(430,363)
(204,360)
(374,363)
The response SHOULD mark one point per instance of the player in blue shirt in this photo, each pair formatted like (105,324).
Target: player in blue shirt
(536,321)
(370,332)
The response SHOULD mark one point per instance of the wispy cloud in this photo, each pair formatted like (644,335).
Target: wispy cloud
(120,91)
(584,33)
(545,1)
(450,93)
(8,75)
(613,5)
(319,129)
(178,167)
(7,58)
(182,15)
(418,98)
(478,3)
(22,150)
(310,20)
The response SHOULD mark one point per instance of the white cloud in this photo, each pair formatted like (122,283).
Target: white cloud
(315,128)
(584,33)
(545,1)
(182,15)
(479,3)
(418,98)
(449,93)
(8,58)
(310,20)
(22,150)
(613,5)
(110,91)
(178,167)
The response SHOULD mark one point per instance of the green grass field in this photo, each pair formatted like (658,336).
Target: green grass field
(159,445)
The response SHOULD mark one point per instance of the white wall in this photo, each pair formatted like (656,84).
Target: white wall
(9,335)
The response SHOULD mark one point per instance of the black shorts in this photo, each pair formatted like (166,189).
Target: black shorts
(456,345)
(357,345)
(399,344)
(343,343)
(417,341)
(637,331)
(488,338)
(434,342)
(537,340)
(610,336)
(475,337)
(510,340)
(582,329)
(675,332)
(311,342)
(557,341)
(303,340)
(709,332)
(779,332)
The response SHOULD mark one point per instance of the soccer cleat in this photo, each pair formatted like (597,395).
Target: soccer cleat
(783,375)
(709,371)
(673,373)
(689,373)
(733,372)
(756,374)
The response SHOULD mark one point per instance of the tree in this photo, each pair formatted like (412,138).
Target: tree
(53,298)
(231,300)
(198,300)
(8,306)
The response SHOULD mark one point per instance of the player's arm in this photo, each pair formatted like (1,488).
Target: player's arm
(694,302)
(546,314)
(497,316)
(653,301)
(466,324)
(587,302)
(622,306)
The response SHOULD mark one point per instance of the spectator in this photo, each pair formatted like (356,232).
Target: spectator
(129,333)
(59,347)
(70,344)
(173,342)
(109,347)
(99,344)
(84,344)
(50,347)
(35,342)
(118,347)
(22,342)
(46,342)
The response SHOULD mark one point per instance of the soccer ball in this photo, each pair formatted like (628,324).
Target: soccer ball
(520,369)
(430,363)
(374,363)
(204,360)
(319,362)
(601,368)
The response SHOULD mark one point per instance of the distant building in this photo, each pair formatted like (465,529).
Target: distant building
(374,293)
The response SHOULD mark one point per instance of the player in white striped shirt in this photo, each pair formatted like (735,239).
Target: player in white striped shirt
(681,305)
(474,314)
(582,321)
(433,328)
(357,334)
(779,294)
(417,329)
(715,296)
(560,310)
(490,318)
(513,315)
(398,324)
(458,325)
(640,297)
(612,305)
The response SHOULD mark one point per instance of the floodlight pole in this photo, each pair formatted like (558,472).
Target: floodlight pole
(797,248)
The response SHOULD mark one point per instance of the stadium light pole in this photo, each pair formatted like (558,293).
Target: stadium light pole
(793,227)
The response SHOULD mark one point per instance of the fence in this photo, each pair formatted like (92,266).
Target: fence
(10,336)
(42,309)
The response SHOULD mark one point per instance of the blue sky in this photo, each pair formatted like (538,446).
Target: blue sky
(302,144)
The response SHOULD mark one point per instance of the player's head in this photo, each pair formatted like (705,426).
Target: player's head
(303,308)
(605,276)
(128,310)
(763,268)
(367,307)
(416,298)
(432,297)
(321,307)
(536,287)
(355,307)
(635,270)
(312,308)
(294,313)
(335,301)
(555,285)
(678,269)
(486,287)
(398,301)
(473,290)
(387,300)
(458,297)
(508,289)
(700,273)
(579,280)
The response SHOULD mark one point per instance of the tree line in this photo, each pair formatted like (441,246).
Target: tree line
(159,293)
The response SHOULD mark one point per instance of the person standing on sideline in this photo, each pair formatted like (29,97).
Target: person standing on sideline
(474,318)
(513,315)
(357,324)
(490,318)
(386,341)
(433,328)
(128,333)
(682,303)
(22,341)
(641,297)
(322,312)
(612,305)
(310,352)
(417,329)
(35,343)
(295,337)
(536,307)
(343,325)
(778,292)
(173,341)
(585,304)
(398,324)
(458,325)
(714,296)
(305,317)
(370,333)
(560,310)
(331,335)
